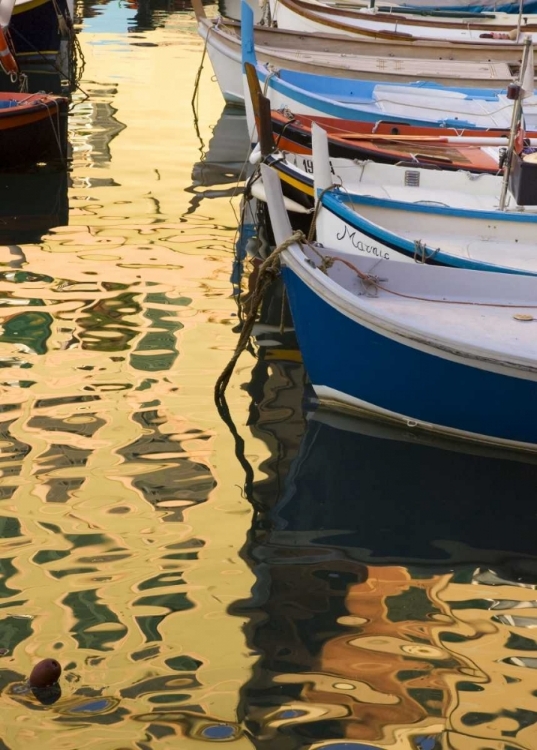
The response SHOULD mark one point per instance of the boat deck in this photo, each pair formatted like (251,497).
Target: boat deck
(400,66)
(477,308)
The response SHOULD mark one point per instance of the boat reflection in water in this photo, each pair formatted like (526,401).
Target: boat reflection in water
(31,204)
(152,13)
(396,602)
(222,163)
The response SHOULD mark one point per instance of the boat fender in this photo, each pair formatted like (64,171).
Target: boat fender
(7,61)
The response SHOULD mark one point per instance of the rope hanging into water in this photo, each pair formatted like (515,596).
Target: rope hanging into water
(55,125)
(200,68)
(268,271)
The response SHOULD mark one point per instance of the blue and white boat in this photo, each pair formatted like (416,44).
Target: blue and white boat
(466,6)
(407,213)
(334,55)
(425,104)
(439,349)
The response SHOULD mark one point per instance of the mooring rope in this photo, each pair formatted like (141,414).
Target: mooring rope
(77,67)
(318,204)
(268,271)
(327,261)
(56,131)
(193,101)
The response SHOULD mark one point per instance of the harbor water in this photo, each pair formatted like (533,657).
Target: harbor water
(272,577)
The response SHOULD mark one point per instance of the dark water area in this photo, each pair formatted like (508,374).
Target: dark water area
(394,590)
(301,580)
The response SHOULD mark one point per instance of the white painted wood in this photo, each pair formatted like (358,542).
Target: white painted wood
(281,226)
(322,173)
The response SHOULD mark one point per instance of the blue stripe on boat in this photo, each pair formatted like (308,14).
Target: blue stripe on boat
(430,208)
(529,7)
(313,91)
(336,205)
(357,90)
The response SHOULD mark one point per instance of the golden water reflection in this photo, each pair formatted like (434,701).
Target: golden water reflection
(382,593)
(121,522)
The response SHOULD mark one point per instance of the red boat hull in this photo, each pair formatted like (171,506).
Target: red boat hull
(33,130)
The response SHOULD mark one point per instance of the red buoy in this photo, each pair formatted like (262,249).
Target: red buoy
(46,673)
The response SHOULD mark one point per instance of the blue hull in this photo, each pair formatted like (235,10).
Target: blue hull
(341,354)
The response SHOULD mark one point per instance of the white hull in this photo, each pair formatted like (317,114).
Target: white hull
(334,232)
(342,402)
(364,20)
(227,68)
(405,214)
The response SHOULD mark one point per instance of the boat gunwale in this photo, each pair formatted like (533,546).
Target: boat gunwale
(432,343)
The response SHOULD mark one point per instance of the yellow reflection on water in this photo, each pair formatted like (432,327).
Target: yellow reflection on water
(120,510)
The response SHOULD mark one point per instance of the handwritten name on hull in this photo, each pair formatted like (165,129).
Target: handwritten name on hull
(363,247)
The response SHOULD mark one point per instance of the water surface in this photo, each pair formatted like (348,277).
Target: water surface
(383,589)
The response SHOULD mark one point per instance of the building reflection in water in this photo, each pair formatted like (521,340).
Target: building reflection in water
(147,15)
(395,601)
(94,126)
(152,13)
(94,479)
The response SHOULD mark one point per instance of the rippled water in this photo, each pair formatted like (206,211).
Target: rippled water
(383,592)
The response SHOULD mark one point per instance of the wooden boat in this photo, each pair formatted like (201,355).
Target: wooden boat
(411,214)
(458,343)
(395,46)
(332,57)
(422,104)
(464,9)
(33,129)
(41,34)
(301,15)
(475,151)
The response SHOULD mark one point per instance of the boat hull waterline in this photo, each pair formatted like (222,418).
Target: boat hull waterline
(439,349)
(464,402)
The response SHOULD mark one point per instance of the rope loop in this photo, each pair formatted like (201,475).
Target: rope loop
(311,232)
(269,270)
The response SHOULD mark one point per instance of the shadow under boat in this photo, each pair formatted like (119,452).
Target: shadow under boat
(387,558)
(31,204)
(386,495)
